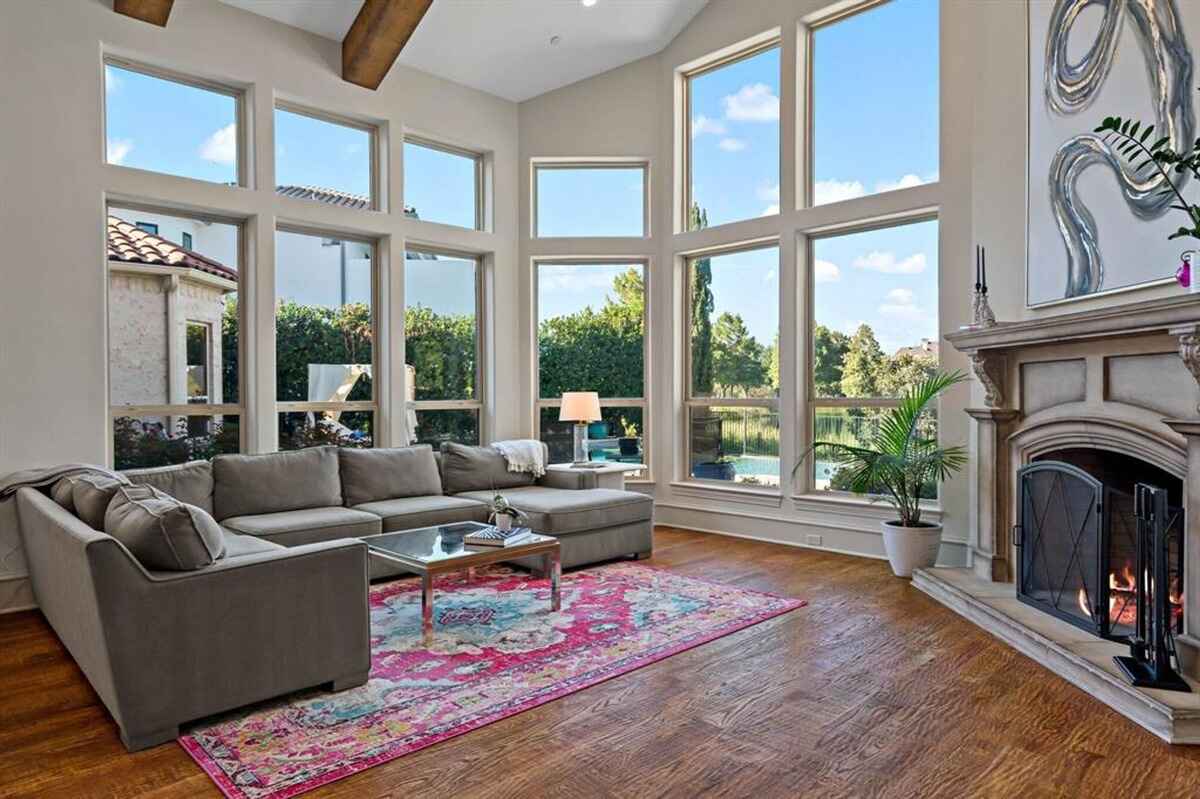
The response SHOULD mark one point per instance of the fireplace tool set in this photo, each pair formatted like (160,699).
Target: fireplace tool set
(1152,644)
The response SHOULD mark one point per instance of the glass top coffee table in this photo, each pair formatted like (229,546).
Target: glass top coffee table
(429,551)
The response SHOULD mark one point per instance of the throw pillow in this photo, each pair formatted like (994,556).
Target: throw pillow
(61,493)
(162,532)
(91,493)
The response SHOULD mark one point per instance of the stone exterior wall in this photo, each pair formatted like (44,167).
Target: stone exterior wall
(147,340)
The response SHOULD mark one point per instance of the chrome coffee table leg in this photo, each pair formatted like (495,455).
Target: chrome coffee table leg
(553,567)
(427,608)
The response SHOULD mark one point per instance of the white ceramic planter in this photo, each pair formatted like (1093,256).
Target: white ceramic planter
(503,522)
(911,548)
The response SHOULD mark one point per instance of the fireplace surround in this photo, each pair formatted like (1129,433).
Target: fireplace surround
(1088,404)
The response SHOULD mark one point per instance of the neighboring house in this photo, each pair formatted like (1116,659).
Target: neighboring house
(165,304)
(926,349)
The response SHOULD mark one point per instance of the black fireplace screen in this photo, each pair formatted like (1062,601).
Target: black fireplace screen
(1077,540)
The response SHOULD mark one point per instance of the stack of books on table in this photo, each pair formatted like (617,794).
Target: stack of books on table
(492,537)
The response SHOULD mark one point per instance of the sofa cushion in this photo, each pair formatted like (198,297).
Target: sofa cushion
(245,485)
(408,513)
(90,494)
(61,492)
(371,475)
(467,468)
(239,546)
(162,532)
(187,482)
(558,510)
(307,526)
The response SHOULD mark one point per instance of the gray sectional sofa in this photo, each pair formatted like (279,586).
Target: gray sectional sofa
(285,606)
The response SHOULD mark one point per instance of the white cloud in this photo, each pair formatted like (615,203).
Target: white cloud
(117,149)
(702,125)
(906,182)
(112,81)
(826,272)
(770,210)
(901,304)
(770,193)
(832,191)
(886,262)
(769,276)
(754,102)
(221,146)
(731,145)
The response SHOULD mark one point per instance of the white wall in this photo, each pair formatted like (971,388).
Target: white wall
(629,112)
(52,318)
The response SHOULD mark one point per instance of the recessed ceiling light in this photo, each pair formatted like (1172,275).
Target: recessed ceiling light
(588,3)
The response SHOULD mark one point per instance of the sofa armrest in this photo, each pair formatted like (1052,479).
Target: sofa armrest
(574,480)
(189,644)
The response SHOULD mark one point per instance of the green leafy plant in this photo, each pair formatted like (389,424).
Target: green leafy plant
(630,428)
(901,456)
(500,506)
(1135,144)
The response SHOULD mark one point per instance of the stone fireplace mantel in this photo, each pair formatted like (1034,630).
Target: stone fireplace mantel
(1124,379)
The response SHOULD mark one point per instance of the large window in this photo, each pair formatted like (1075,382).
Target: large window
(324,340)
(334,158)
(733,366)
(173,343)
(601,199)
(875,297)
(443,301)
(591,336)
(171,125)
(443,184)
(731,143)
(856,82)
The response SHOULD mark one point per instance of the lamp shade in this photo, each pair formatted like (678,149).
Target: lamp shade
(579,406)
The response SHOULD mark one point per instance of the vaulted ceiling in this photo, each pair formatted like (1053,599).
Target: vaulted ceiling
(504,46)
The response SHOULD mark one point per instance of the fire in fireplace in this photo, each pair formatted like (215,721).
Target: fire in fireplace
(1078,539)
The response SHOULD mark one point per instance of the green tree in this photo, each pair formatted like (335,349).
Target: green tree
(630,289)
(771,364)
(441,349)
(600,351)
(738,359)
(862,363)
(700,311)
(829,351)
(904,370)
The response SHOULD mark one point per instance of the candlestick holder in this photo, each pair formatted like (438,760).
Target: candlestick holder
(981,310)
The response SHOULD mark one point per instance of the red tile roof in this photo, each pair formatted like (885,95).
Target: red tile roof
(130,244)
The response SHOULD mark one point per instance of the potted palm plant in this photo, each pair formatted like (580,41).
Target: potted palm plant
(900,459)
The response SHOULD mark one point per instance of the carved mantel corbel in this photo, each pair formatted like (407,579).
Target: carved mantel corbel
(989,367)
(1189,348)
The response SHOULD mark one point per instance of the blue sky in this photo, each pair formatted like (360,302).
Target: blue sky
(875,126)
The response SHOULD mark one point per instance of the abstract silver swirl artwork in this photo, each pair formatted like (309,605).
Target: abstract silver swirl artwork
(1095,225)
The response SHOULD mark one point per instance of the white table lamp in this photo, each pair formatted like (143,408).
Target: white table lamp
(580,407)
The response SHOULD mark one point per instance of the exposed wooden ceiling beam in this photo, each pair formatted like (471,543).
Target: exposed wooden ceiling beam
(377,36)
(153,11)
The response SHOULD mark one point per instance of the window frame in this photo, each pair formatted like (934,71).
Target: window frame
(376,179)
(479,173)
(373,405)
(643,402)
(536,165)
(691,401)
(185,409)
(478,404)
(685,77)
(242,166)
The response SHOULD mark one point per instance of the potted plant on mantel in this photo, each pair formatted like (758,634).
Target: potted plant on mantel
(899,459)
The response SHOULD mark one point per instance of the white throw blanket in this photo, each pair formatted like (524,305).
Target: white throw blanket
(523,455)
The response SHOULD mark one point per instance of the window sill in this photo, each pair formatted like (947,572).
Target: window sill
(747,496)
(850,505)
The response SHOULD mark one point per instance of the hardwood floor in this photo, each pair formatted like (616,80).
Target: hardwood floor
(872,690)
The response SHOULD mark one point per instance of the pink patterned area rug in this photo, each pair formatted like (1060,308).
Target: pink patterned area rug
(498,650)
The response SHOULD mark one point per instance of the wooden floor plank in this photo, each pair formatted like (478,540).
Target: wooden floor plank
(872,690)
